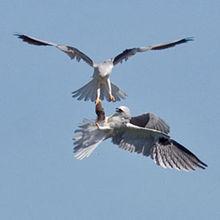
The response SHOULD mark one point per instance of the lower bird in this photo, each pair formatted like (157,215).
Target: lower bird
(146,134)
(100,86)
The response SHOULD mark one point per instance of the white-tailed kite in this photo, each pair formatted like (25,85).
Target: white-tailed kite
(146,134)
(100,86)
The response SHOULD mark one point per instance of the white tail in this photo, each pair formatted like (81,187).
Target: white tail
(89,92)
(118,93)
(86,139)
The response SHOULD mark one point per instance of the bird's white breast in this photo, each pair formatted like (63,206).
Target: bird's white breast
(104,69)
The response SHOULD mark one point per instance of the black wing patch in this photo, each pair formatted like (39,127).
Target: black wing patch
(124,55)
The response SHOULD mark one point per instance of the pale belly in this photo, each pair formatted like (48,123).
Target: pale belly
(103,71)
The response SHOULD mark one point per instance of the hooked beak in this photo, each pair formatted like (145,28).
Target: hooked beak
(119,110)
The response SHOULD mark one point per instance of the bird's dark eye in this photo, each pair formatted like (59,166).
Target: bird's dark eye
(119,110)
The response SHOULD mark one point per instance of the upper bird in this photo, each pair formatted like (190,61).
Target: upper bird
(100,86)
(146,134)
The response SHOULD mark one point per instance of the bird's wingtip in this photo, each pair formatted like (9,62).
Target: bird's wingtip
(189,39)
(204,165)
(17,34)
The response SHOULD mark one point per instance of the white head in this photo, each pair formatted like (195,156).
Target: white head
(124,111)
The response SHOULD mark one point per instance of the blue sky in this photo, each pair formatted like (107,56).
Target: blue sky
(40,179)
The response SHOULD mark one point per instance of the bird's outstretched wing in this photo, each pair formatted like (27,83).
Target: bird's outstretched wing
(150,120)
(130,52)
(136,139)
(166,152)
(72,52)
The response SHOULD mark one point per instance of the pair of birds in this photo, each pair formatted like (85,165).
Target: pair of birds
(146,134)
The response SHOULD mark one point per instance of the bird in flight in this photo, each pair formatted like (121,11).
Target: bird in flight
(100,86)
(146,134)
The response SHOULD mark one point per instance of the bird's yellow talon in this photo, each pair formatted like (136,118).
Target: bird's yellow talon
(97,101)
(111,98)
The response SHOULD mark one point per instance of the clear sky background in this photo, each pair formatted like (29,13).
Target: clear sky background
(40,179)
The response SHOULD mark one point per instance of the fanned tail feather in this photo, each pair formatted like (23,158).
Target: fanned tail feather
(87,92)
(86,138)
(118,93)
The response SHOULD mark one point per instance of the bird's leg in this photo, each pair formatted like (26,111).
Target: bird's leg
(111,97)
(98,100)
